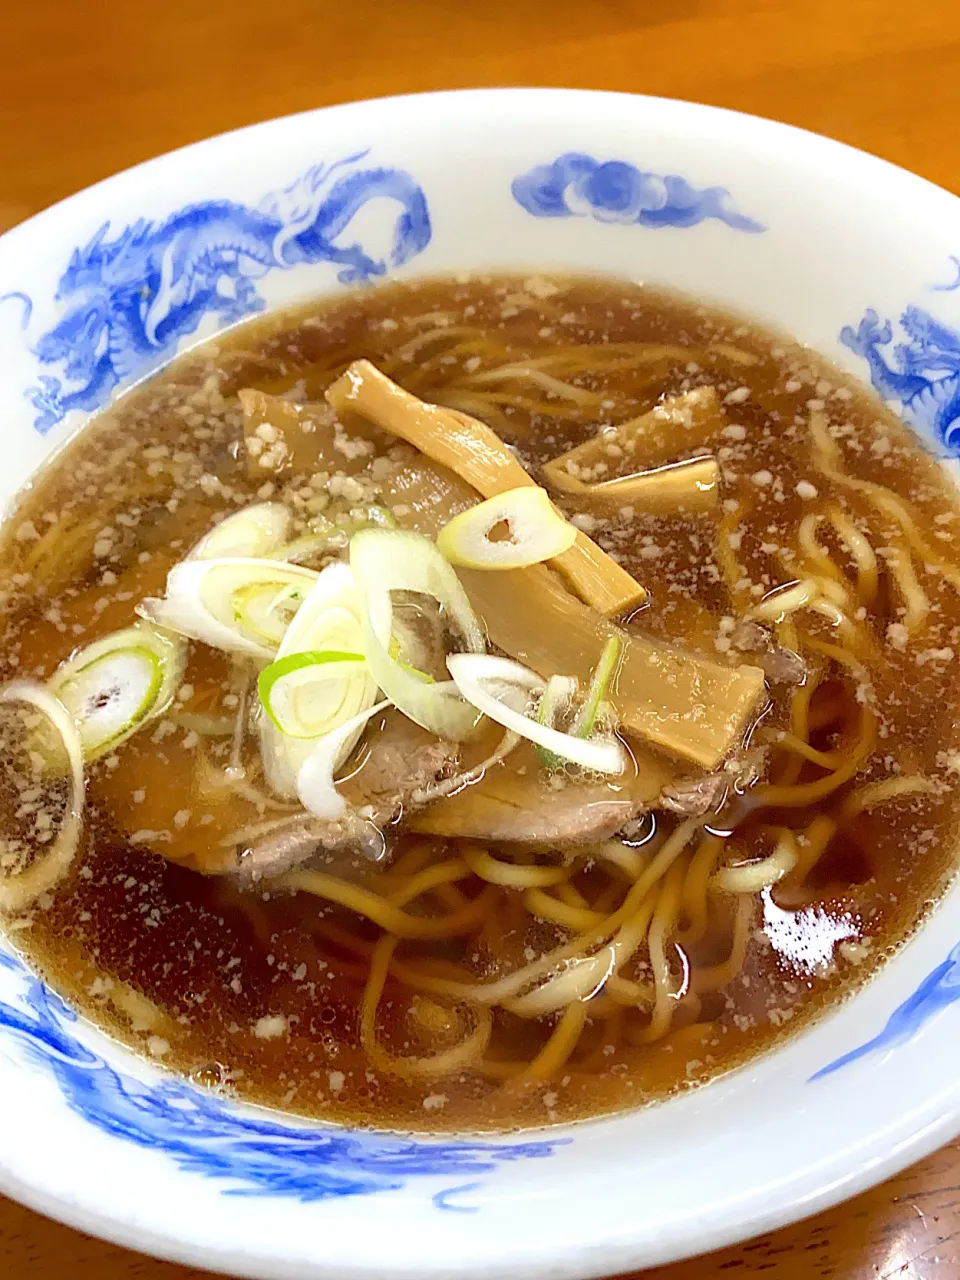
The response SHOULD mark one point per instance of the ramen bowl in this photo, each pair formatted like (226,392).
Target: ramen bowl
(849,255)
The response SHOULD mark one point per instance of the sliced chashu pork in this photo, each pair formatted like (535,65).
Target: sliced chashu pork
(397,761)
(514,801)
(518,800)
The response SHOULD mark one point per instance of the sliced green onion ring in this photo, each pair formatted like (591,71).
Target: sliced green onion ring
(315,783)
(485,681)
(312,545)
(327,536)
(229,602)
(254,531)
(19,889)
(331,617)
(296,690)
(536,531)
(329,621)
(266,613)
(112,687)
(387,560)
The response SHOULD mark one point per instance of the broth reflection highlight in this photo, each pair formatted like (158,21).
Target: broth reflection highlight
(741,614)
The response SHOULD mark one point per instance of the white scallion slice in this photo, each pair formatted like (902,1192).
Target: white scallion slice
(254,531)
(265,612)
(242,604)
(115,685)
(303,693)
(534,531)
(315,782)
(18,889)
(329,620)
(557,698)
(387,560)
(331,617)
(325,536)
(486,682)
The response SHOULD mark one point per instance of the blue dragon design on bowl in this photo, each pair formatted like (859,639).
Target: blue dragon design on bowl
(939,989)
(922,375)
(577,185)
(130,297)
(253,1155)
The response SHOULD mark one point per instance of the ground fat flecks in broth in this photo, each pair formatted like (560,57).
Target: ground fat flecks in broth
(529,941)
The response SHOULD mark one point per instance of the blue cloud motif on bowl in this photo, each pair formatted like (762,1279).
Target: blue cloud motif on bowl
(576,185)
(953,284)
(206,1136)
(131,296)
(938,990)
(921,375)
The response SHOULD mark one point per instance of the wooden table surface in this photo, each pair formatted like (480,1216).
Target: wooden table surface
(91,86)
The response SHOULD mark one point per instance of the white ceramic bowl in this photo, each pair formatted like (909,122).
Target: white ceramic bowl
(100,290)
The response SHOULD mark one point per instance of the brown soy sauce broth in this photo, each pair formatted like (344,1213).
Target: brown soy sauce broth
(260,994)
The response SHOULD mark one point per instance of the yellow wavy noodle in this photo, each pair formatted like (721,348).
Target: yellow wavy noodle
(383,913)
(731,568)
(554,1054)
(543,905)
(502,872)
(538,377)
(811,848)
(861,553)
(628,992)
(662,927)
(815,555)
(479,406)
(714,977)
(825,759)
(694,897)
(451,897)
(460,1057)
(794,794)
(568,892)
(874,793)
(610,1035)
(430,878)
(413,859)
(882,499)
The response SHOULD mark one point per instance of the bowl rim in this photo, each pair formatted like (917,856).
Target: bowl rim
(758,125)
(603,1263)
(604,1256)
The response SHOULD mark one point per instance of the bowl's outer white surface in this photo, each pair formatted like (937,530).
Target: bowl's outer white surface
(845,232)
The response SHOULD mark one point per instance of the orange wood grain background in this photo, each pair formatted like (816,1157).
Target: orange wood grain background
(91,86)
